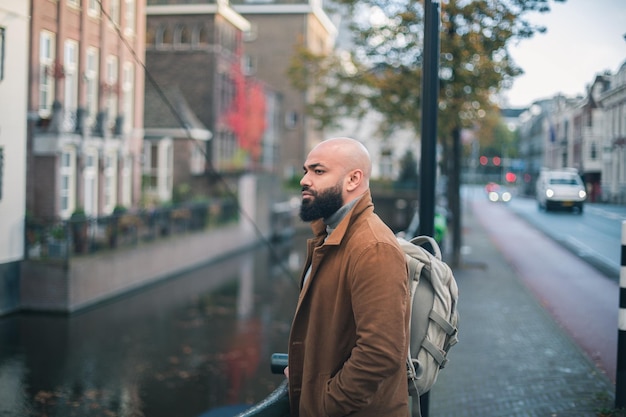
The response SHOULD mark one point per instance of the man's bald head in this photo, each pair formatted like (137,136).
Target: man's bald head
(352,152)
(348,160)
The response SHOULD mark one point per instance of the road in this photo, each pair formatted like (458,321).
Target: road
(594,236)
(566,260)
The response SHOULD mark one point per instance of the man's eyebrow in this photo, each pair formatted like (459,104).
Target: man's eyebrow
(313,166)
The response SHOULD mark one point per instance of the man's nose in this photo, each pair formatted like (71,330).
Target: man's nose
(305,181)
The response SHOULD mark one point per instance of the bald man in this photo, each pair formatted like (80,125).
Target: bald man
(349,336)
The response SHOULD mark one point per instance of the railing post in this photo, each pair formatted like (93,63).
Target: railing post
(620,380)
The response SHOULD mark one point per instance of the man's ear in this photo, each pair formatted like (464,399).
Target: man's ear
(354,180)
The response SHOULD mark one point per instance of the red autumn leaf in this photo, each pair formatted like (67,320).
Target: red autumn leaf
(246,116)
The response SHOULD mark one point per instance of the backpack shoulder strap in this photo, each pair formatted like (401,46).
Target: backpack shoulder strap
(420,240)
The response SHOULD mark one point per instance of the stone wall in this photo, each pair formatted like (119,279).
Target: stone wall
(87,280)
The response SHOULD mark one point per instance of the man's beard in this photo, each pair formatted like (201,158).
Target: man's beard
(322,205)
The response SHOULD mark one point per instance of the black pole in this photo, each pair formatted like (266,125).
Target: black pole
(428,160)
(620,379)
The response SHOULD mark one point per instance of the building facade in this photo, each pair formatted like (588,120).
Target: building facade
(613,102)
(85,106)
(587,133)
(277,29)
(14,20)
(195,58)
(174,155)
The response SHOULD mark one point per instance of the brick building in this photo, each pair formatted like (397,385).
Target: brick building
(85,105)
(194,55)
(277,28)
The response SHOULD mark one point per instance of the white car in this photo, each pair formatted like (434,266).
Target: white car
(561,189)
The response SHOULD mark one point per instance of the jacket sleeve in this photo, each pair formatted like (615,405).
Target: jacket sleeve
(380,297)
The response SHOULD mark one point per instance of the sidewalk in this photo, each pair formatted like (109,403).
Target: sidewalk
(512,358)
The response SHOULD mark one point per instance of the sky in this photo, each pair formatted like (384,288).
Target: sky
(583,38)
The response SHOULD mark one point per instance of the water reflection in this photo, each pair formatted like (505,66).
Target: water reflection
(193,343)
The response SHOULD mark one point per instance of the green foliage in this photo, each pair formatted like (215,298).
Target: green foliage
(119,209)
(605,412)
(383,71)
(181,192)
(58,231)
(78,214)
(293,183)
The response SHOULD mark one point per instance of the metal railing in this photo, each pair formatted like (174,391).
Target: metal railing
(59,239)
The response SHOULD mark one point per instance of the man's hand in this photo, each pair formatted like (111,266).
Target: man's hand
(286,372)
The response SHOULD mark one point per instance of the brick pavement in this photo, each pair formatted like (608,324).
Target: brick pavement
(512,359)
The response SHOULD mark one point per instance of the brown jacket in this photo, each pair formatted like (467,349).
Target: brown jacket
(348,341)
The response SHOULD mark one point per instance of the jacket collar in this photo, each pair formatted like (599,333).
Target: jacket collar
(319,227)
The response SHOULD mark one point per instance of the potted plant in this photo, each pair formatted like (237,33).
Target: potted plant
(114,225)
(57,241)
(78,221)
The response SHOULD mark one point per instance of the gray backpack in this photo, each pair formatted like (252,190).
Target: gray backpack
(434,315)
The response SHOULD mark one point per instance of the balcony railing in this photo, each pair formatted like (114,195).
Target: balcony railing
(61,239)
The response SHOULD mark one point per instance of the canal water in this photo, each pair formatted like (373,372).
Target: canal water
(198,343)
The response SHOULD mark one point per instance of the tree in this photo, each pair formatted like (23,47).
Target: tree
(383,70)
(246,115)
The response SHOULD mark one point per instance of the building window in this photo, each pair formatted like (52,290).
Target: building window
(594,151)
(47,71)
(203,36)
(164,36)
(1,169)
(73,3)
(111,87)
(114,11)
(70,70)
(196,160)
(157,170)
(291,120)
(126,181)
(91,81)
(90,180)
(93,9)
(249,65)
(67,182)
(150,165)
(128,95)
(169,171)
(182,36)
(130,17)
(2,37)
(110,183)
(150,37)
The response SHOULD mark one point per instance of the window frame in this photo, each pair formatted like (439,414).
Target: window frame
(112,80)
(2,50)
(129,17)
(67,170)
(128,95)
(70,71)
(114,12)
(1,170)
(47,56)
(110,182)
(92,71)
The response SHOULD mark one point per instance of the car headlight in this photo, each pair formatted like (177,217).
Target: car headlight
(506,196)
(549,193)
(493,196)
(582,194)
